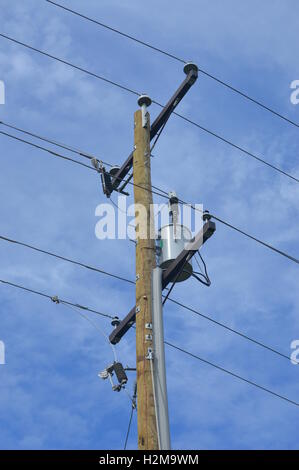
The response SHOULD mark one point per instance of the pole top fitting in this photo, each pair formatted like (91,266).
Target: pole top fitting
(144,99)
(190,66)
(206,216)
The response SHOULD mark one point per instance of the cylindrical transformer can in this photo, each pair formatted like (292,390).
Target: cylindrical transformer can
(171,245)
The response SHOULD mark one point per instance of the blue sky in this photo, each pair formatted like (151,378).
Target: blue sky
(51,397)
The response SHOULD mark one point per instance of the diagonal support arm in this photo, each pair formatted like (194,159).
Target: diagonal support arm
(192,74)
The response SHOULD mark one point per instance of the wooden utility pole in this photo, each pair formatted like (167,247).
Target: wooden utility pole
(145,262)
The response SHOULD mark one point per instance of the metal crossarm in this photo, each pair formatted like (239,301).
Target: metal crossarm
(192,74)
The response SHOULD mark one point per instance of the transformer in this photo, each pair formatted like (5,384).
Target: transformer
(171,243)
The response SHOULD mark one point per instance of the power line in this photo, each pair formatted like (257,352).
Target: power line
(49,253)
(238,147)
(96,327)
(39,147)
(106,273)
(232,373)
(174,57)
(65,62)
(129,428)
(55,154)
(232,330)
(190,121)
(242,232)
(90,156)
(164,195)
(79,152)
(55,299)
(128,36)
(267,245)
(133,407)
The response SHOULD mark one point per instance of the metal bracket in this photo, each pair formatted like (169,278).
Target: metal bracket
(150,354)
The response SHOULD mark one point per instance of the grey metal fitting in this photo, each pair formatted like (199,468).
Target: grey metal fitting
(206,216)
(190,66)
(144,100)
(115,321)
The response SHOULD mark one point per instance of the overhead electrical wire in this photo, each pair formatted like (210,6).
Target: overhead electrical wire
(56,300)
(246,234)
(58,155)
(96,327)
(79,152)
(238,147)
(267,245)
(162,194)
(64,258)
(129,428)
(190,121)
(178,59)
(242,232)
(180,304)
(128,36)
(44,149)
(237,376)
(65,62)
(232,330)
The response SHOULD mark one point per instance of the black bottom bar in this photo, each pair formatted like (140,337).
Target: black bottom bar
(133,459)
